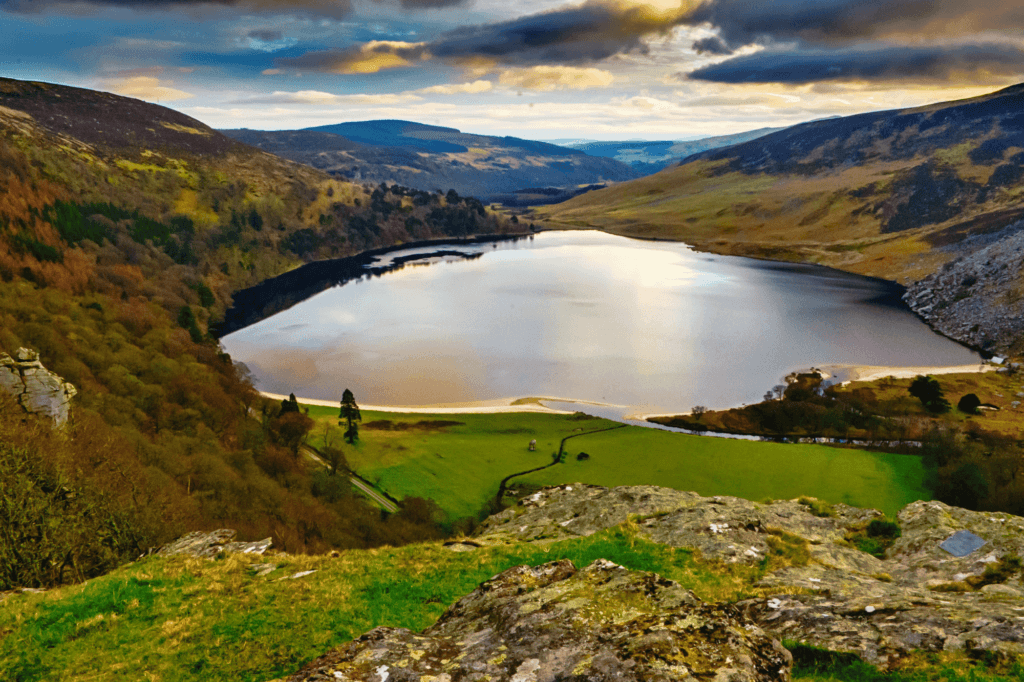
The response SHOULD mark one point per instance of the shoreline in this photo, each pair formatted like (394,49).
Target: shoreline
(494,406)
(845,373)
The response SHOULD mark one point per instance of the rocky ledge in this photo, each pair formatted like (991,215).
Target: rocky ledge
(555,622)
(919,596)
(37,390)
(977,298)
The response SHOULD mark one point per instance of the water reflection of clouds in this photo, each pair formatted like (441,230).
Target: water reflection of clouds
(583,315)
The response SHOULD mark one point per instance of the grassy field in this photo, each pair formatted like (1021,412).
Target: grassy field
(751,470)
(459,460)
(183,619)
(186,619)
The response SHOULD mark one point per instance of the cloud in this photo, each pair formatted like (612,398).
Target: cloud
(429,4)
(743,22)
(870,63)
(593,31)
(329,8)
(148,88)
(315,97)
(711,45)
(370,57)
(547,78)
(473,88)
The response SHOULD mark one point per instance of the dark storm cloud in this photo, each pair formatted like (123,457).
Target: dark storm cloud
(742,22)
(265,34)
(430,4)
(711,45)
(875,63)
(585,33)
(327,8)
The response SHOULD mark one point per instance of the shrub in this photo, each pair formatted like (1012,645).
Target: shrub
(969,404)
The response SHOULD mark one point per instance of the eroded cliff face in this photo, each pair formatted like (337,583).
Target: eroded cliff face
(37,389)
(978,297)
(919,596)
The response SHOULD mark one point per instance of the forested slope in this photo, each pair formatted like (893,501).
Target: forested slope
(124,229)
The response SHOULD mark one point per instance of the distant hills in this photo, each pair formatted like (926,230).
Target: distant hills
(894,194)
(651,157)
(433,158)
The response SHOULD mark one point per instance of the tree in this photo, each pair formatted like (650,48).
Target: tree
(289,404)
(350,413)
(928,391)
(969,404)
(698,411)
(779,390)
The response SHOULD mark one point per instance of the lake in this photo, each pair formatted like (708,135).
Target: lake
(586,316)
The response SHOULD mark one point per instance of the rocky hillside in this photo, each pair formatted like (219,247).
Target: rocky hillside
(433,158)
(881,596)
(696,588)
(893,194)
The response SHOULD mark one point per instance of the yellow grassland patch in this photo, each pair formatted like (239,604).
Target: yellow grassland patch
(185,129)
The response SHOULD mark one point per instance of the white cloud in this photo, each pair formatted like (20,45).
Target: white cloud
(473,88)
(547,78)
(149,88)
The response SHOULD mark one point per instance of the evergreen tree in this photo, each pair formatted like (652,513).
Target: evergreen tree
(350,413)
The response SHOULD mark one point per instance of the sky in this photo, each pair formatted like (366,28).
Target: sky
(537,69)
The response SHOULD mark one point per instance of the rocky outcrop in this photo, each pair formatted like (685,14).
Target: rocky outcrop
(977,298)
(38,390)
(555,622)
(210,544)
(919,596)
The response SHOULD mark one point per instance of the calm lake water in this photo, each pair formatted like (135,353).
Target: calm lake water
(587,316)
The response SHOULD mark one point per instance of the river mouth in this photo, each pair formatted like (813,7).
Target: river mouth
(651,327)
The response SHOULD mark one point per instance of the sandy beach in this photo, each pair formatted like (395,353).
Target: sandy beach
(528,404)
(850,373)
(845,374)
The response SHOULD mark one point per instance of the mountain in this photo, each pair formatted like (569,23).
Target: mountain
(893,194)
(649,157)
(431,158)
(125,230)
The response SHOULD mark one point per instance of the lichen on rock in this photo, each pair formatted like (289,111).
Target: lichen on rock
(843,599)
(38,390)
(554,622)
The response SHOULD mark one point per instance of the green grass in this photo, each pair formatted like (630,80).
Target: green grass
(460,466)
(185,619)
(747,469)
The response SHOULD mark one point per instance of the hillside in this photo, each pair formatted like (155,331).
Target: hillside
(626,583)
(892,194)
(433,158)
(649,157)
(125,228)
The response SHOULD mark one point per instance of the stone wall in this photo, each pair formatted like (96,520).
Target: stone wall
(37,389)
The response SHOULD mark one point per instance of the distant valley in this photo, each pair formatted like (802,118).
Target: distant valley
(431,158)
(648,157)
(509,170)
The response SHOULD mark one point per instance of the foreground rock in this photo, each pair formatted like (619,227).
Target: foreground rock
(919,596)
(553,622)
(209,544)
(37,389)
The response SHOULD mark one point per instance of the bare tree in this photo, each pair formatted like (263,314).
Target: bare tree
(779,390)
(698,411)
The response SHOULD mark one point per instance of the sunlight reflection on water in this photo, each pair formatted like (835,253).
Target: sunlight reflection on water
(587,316)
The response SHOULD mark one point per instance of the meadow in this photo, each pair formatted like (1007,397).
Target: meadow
(459,460)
